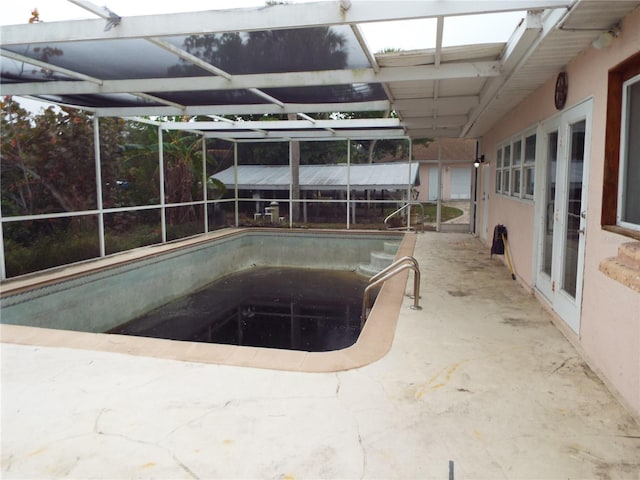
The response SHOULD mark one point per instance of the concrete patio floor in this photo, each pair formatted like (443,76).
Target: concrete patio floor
(479,380)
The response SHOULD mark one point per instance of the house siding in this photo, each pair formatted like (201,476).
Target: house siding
(609,333)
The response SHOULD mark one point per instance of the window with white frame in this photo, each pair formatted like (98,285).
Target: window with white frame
(620,192)
(629,181)
(529,167)
(515,170)
(506,170)
(499,170)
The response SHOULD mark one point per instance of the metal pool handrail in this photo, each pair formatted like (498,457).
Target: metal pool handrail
(408,204)
(384,275)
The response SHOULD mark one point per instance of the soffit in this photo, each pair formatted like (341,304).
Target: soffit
(585,21)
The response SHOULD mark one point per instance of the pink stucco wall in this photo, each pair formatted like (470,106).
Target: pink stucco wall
(610,323)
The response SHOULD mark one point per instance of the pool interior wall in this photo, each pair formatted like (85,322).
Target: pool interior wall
(99,300)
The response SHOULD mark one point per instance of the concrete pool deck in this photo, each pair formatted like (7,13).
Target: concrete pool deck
(480,377)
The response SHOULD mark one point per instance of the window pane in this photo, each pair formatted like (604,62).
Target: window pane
(505,181)
(631,167)
(517,152)
(498,181)
(530,149)
(529,185)
(517,175)
(507,156)
(499,158)
(574,207)
(550,204)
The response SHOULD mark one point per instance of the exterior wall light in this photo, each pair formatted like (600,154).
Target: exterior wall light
(606,38)
(478,161)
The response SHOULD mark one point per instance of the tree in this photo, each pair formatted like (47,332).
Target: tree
(47,160)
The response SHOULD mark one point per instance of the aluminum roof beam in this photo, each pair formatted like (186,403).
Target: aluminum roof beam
(521,45)
(311,135)
(283,136)
(255,19)
(286,124)
(262,81)
(258,109)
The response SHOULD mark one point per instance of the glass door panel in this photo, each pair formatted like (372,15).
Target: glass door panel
(550,202)
(573,207)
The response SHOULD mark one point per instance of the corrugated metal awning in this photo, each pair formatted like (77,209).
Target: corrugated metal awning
(381,176)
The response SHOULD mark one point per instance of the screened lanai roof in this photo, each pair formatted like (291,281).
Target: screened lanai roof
(383,176)
(310,60)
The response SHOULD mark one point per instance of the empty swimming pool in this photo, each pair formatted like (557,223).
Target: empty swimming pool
(286,308)
(73,306)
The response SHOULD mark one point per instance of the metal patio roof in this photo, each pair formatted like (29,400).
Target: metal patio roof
(387,176)
(301,59)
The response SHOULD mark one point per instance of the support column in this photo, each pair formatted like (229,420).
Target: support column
(409,198)
(235,182)
(205,184)
(348,183)
(163,212)
(96,148)
(439,195)
(3,270)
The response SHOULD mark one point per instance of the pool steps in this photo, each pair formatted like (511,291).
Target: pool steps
(379,260)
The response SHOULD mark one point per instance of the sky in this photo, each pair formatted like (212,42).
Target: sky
(405,35)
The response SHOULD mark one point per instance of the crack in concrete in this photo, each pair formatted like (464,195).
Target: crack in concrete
(561,365)
(184,467)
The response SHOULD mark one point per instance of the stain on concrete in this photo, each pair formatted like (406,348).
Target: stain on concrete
(519,322)
(457,293)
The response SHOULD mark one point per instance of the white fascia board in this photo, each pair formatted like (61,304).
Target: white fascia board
(271,80)
(265,18)
(286,124)
(255,109)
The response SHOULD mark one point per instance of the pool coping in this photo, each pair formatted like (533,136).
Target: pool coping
(373,343)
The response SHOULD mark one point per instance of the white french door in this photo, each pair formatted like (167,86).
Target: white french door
(562,222)
(484,232)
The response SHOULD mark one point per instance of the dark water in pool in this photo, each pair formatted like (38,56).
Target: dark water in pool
(285,308)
